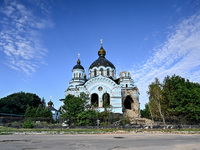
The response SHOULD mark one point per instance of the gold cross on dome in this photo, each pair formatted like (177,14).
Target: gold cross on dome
(101,41)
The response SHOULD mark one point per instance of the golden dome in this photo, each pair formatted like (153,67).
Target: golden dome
(101,52)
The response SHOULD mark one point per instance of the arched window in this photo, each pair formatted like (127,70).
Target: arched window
(95,72)
(74,75)
(95,100)
(106,100)
(79,75)
(101,70)
(108,72)
(126,85)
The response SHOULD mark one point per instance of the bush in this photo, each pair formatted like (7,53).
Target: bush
(125,121)
(15,123)
(28,124)
(88,117)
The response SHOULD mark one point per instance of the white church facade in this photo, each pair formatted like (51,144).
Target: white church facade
(122,95)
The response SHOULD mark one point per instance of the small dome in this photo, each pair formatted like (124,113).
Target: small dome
(50,103)
(78,66)
(101,52)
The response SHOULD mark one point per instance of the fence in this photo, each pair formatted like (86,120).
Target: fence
(111,122)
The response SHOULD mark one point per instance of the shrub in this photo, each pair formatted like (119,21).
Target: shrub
(28,124)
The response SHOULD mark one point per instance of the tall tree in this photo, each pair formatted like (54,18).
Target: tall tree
(73,106)
(155,96)
(17,103)
(182,98)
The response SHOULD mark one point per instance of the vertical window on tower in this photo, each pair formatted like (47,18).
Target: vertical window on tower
(101,70)
(79,75)
(74,75)
(95,72)
(108,72)
(113,73)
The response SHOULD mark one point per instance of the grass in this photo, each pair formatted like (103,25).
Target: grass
(8,130)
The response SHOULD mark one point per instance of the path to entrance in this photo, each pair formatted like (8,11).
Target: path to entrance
(100,142)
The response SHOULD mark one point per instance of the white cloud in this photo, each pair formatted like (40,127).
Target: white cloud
(20,36)
(180,55)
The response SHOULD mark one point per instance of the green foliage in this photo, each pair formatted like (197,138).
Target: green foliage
(106,103)
(28,124)
(145,113)
(40,112)
(125,121)
(78,112)
(73,106)
(105,116)
(17,103)
(88,117)
(156,98)
(179,98)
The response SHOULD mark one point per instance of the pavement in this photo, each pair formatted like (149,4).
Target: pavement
(137,141)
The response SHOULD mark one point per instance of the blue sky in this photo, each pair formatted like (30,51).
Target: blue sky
(40,41)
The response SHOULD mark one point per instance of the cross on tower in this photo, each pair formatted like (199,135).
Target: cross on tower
(78,55)
(101,41)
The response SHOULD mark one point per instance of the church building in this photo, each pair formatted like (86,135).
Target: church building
(104,88)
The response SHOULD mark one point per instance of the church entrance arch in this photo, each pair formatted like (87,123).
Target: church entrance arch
(94,100)
(106,100)
(128,102)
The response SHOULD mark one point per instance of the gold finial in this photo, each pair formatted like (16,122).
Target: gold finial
(78,62)
(101,52)
(101,41)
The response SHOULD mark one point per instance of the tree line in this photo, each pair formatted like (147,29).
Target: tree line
(176,98)
(28,104)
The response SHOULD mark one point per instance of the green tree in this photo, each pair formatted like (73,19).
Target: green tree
(181,98)
(155,96)
(73,106)
(40,113)
(145,112)
(17,103)
(88,117)
(175,98)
